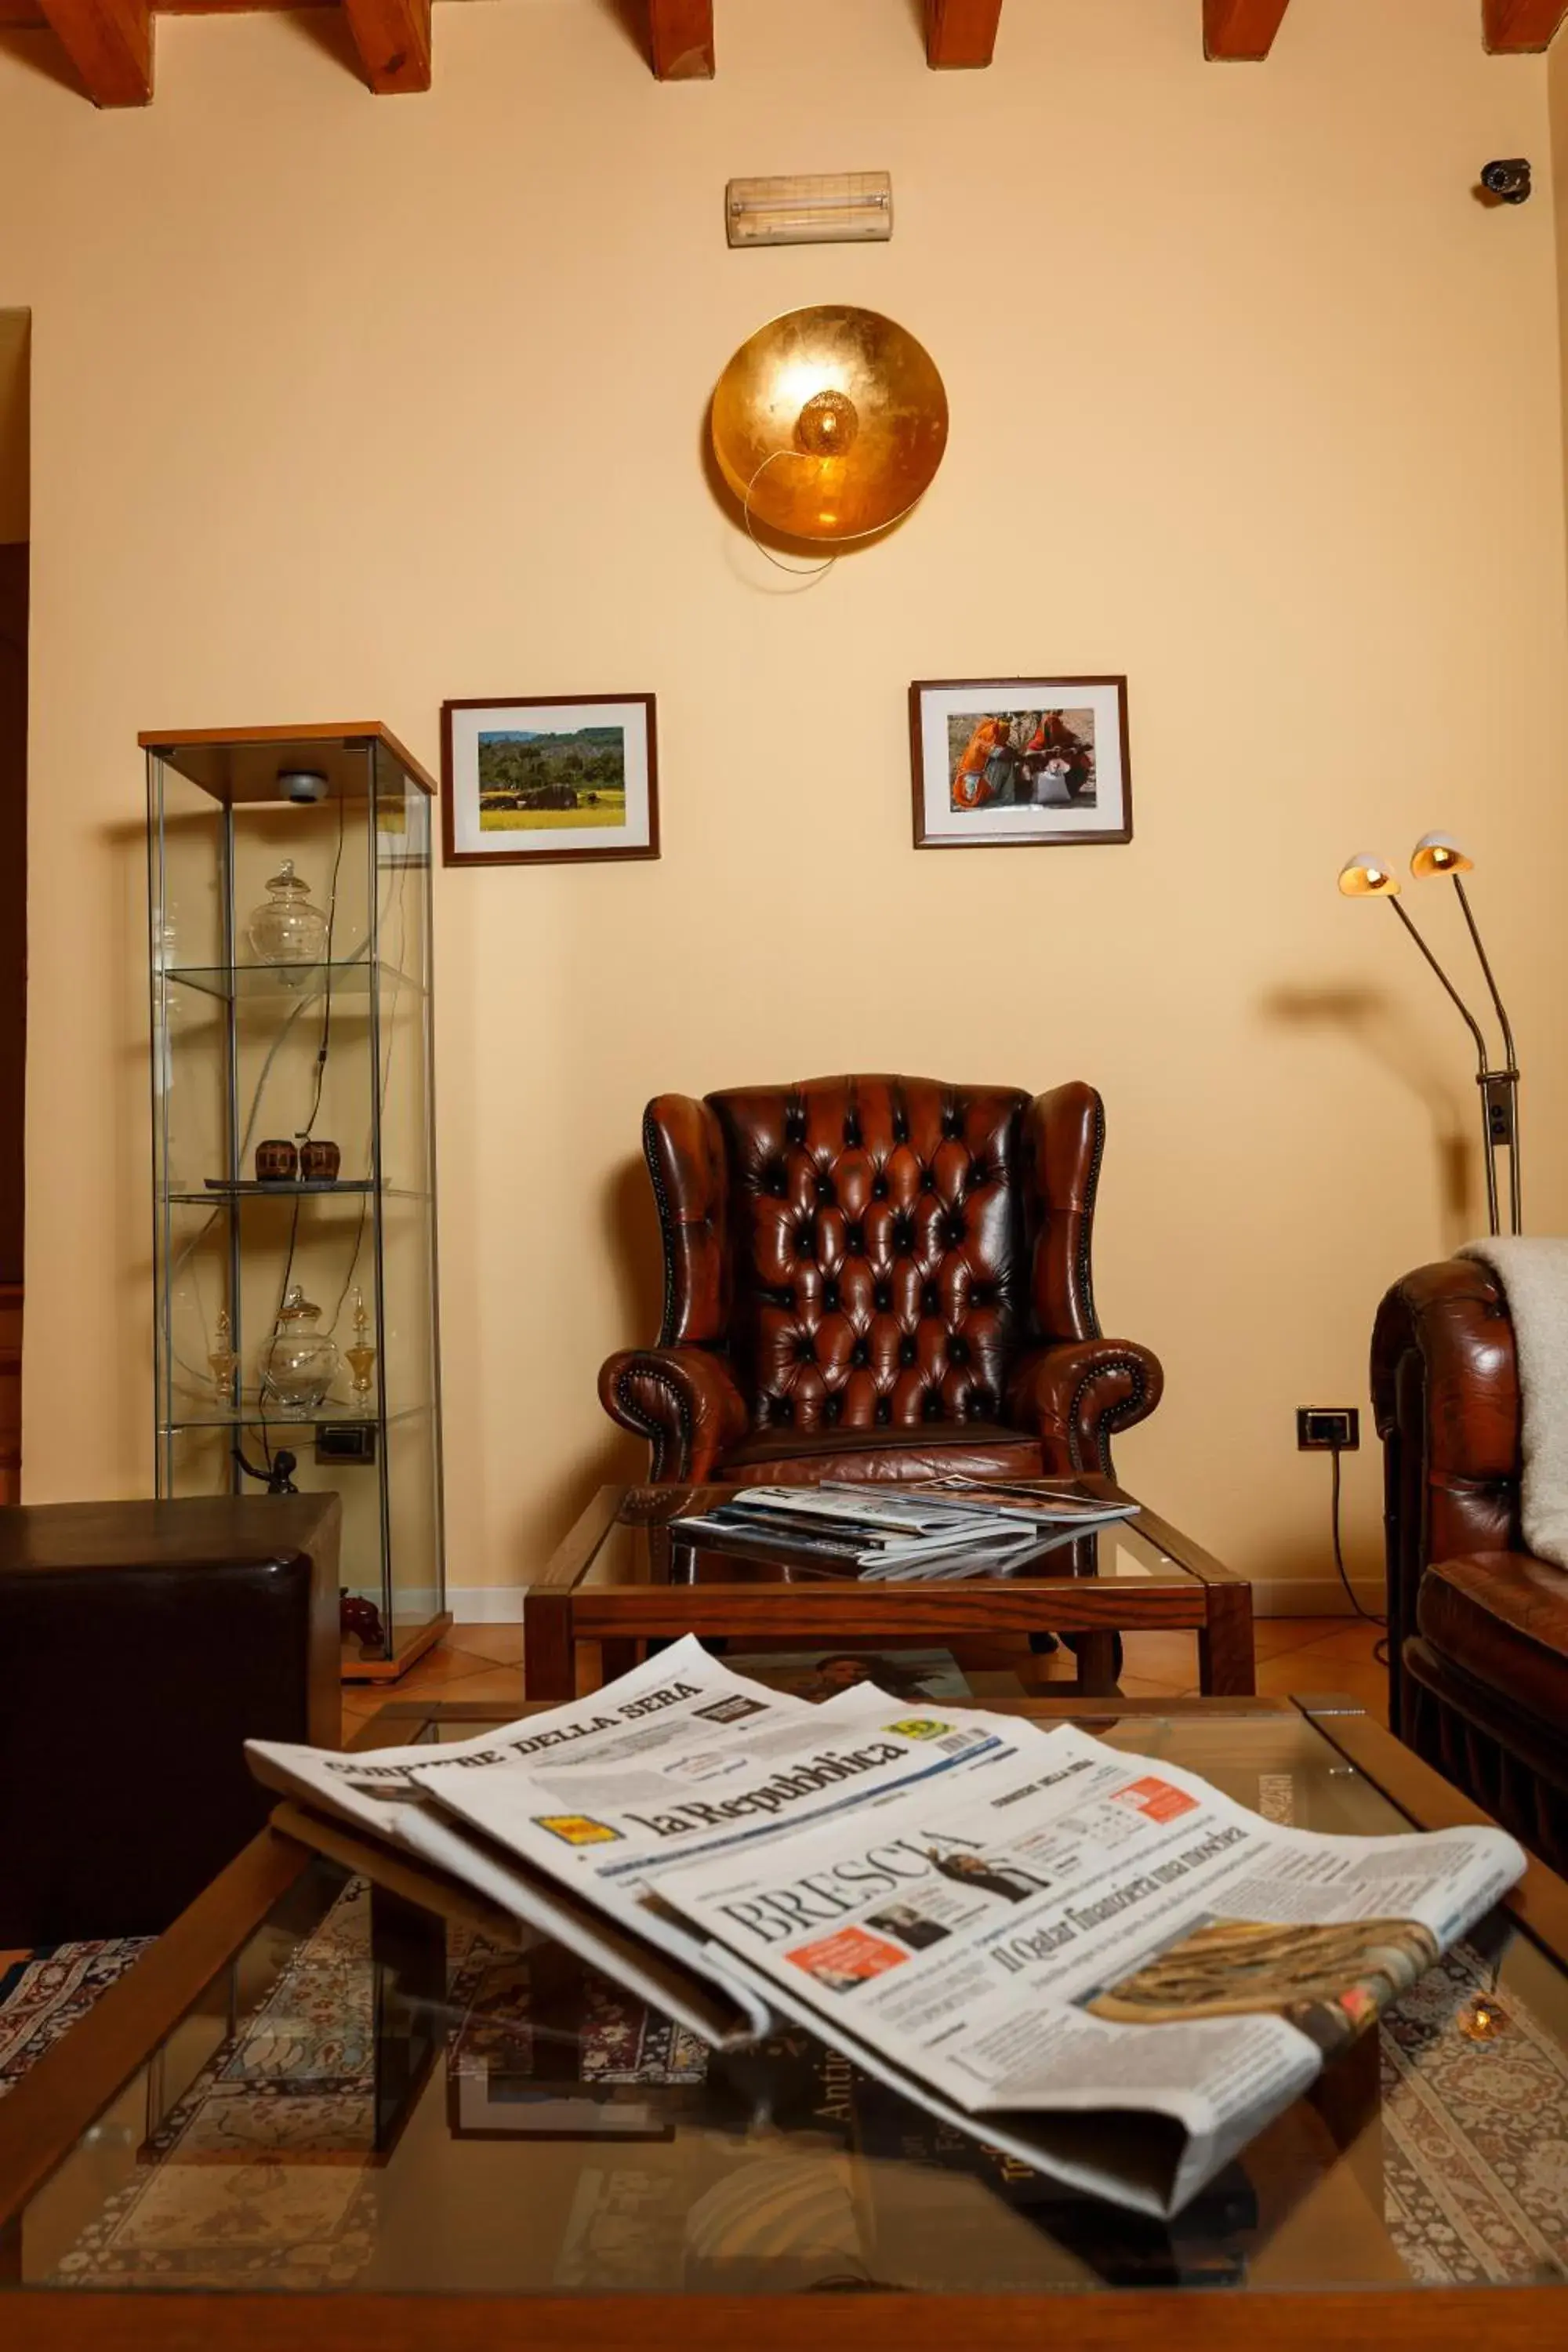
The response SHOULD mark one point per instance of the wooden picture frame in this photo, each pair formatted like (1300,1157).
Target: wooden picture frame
(1020,763)
(581,784)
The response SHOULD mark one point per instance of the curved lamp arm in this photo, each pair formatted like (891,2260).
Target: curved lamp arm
(1471,1024)
(1482,1074)
(1485,963)
(1437,854)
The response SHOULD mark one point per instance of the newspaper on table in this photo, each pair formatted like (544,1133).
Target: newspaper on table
(675,1728)
(1091,1960)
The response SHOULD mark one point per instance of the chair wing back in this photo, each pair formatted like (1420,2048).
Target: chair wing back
(685,1155)
(1063,1143)
(875,1252)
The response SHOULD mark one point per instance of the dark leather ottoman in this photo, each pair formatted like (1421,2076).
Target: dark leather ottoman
(141,1646)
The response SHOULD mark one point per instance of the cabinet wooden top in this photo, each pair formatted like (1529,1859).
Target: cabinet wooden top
(242,763)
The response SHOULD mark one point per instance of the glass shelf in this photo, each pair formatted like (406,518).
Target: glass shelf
(353,1188)
(277,1422)
(298,980)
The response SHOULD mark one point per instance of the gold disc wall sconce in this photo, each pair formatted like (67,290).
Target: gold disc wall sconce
(829,425)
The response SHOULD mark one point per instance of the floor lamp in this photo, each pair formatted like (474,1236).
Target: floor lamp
(1434,855)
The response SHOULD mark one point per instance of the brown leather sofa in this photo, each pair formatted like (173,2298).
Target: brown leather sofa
(142,1645)
(878,1278)
(1478,1641)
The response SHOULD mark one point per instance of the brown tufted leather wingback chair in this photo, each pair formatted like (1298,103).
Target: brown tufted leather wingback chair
(879,1278)
(1478,1627)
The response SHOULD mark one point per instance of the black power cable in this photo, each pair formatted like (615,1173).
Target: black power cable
(1380,1649)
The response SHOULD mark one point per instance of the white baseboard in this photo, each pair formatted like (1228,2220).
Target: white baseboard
(1297,1596)
(485,1604)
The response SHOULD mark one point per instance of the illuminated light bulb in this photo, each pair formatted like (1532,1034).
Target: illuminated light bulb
(1438,853)
(1367,877)
(827,425)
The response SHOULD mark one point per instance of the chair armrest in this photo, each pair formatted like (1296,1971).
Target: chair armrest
(1076,1395)
(683,1400)
(1445,1393)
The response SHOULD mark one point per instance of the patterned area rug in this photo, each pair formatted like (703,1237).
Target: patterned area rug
(263,2172)
(42,1997)
(1475,2164)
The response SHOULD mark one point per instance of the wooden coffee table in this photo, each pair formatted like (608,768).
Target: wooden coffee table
(621,1579)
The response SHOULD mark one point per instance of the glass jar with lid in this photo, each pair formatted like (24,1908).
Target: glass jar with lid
(298,1363)
(289,928)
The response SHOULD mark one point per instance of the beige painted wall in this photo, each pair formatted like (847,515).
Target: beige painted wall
(12,428)
(342,406)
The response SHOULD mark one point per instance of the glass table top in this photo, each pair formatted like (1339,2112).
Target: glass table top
(365,2099)
(643,1545)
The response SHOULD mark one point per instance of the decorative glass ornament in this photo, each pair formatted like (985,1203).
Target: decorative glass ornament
(222,1361)
(290,928)
(360,1358)
(298,1363)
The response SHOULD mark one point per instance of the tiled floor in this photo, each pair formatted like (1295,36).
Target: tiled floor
(1294,1654)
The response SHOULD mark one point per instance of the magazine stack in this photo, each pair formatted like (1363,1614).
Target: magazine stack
(933,1533)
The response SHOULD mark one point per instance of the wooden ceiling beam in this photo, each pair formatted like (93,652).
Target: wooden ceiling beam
(392,37)
(1242,31)
(1508,26)
(110,43)
(960,33)
(231,7)
(681,39)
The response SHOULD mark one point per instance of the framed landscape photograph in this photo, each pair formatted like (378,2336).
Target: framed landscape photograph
(548,778)
(1016,763)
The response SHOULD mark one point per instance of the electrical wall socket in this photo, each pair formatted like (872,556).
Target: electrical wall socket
(1328,1429)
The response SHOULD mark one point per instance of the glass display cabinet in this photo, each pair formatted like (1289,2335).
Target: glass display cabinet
(293,1148)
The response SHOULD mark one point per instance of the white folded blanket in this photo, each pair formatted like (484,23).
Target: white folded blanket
(1534,1276)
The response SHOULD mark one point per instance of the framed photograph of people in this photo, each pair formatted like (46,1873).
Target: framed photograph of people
(549,777)
(1017,763)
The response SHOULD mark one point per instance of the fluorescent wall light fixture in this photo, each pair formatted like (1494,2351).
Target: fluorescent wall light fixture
(822,208)
(1366,876)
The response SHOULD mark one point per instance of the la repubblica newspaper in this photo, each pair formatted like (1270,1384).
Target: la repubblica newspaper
(1091,1960)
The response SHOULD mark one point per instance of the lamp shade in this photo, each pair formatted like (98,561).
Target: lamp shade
(1367,877)
(1438,853)
(829,424)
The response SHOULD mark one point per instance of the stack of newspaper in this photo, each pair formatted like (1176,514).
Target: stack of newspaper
(1091,1960)
(950,1528)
